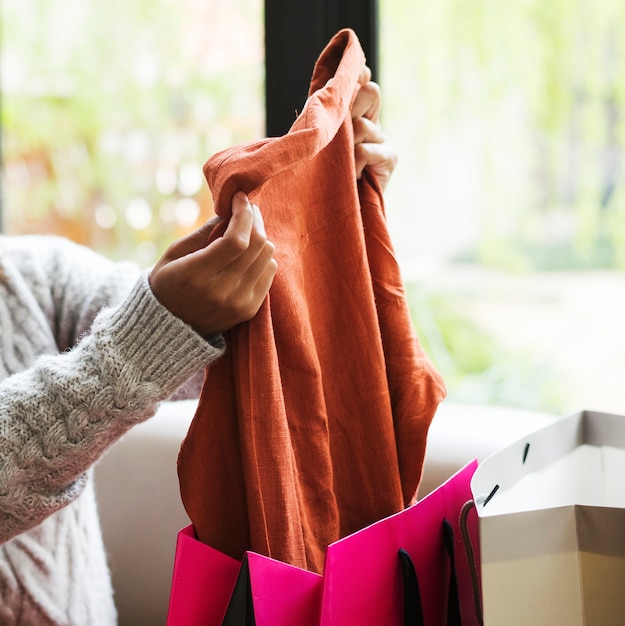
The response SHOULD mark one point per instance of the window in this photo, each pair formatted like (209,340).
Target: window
(507,209)
(508,205)
(111,108)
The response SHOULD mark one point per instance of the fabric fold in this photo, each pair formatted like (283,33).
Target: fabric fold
(314,423)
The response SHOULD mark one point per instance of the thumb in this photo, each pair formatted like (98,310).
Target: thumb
(194,241)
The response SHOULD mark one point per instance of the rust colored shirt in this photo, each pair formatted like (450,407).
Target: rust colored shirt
(314,423)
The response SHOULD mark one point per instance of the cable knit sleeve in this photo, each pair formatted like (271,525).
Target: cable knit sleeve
(59,415)
(79,282)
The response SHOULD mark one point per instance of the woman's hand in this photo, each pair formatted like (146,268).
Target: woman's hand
(213,287)
(371,147)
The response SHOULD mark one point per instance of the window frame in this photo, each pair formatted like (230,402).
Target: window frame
(295,35)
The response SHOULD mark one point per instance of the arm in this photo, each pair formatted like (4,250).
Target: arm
(60,415)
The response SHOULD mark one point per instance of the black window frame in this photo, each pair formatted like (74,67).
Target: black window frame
(295,35)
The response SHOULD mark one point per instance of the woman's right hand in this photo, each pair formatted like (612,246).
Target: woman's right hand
(215,286)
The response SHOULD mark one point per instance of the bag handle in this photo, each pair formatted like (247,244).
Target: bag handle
(413,608)
(466,539)
(453,599)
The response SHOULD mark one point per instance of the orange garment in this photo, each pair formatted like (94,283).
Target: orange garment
(314,423)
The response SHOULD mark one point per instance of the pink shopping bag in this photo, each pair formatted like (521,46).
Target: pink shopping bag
(409,568)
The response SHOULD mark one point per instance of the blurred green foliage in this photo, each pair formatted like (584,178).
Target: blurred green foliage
(517,111)
(509,121)
(477,368)
(111,107)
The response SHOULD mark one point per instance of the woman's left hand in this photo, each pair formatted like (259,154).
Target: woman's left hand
(371,147)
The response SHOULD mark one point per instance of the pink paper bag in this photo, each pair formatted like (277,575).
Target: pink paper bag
(202,582)
(362,578)
(362,581)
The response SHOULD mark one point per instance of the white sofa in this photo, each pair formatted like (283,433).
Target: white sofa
(140,505)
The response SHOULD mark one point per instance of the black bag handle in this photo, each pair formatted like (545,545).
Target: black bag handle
(413,608)
(453,599)
(475,583)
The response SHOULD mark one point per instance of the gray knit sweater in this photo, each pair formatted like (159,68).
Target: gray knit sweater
(86,352)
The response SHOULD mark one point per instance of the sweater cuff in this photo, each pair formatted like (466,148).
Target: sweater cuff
(165,350)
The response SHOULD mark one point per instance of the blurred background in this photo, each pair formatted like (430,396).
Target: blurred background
(507,208)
